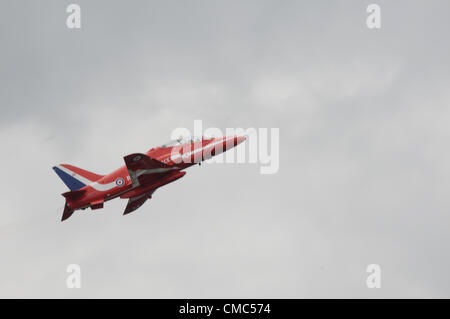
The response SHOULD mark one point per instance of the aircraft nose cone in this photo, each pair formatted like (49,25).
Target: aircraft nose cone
(232,141)
(240,139)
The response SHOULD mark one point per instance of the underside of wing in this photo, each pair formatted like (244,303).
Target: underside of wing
(143,169)
(136,202)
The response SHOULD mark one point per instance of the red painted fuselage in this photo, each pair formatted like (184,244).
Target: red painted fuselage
(141,175)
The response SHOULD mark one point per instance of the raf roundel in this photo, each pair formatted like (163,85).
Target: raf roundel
(120,182)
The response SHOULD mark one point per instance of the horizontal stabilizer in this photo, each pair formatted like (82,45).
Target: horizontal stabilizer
(67,212)
(72,195)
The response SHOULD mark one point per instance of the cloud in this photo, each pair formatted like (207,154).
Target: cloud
(363,158)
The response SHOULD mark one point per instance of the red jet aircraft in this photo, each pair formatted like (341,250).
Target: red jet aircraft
(141,175)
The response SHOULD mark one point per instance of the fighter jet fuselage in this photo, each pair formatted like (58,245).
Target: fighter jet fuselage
(141,175)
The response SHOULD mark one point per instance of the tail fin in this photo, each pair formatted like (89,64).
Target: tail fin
(74,177)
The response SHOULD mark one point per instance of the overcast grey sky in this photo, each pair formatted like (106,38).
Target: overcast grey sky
(364,163)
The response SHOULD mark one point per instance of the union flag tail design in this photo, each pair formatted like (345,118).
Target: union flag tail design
(74,177)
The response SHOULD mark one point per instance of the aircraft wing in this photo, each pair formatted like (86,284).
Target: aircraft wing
(143,168)
(136,202)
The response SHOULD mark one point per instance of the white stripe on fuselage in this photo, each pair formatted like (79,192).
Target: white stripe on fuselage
(106,187)
(140,172)
(185,155)
(95,185)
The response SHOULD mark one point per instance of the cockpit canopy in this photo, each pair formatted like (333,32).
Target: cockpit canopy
(184,140)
